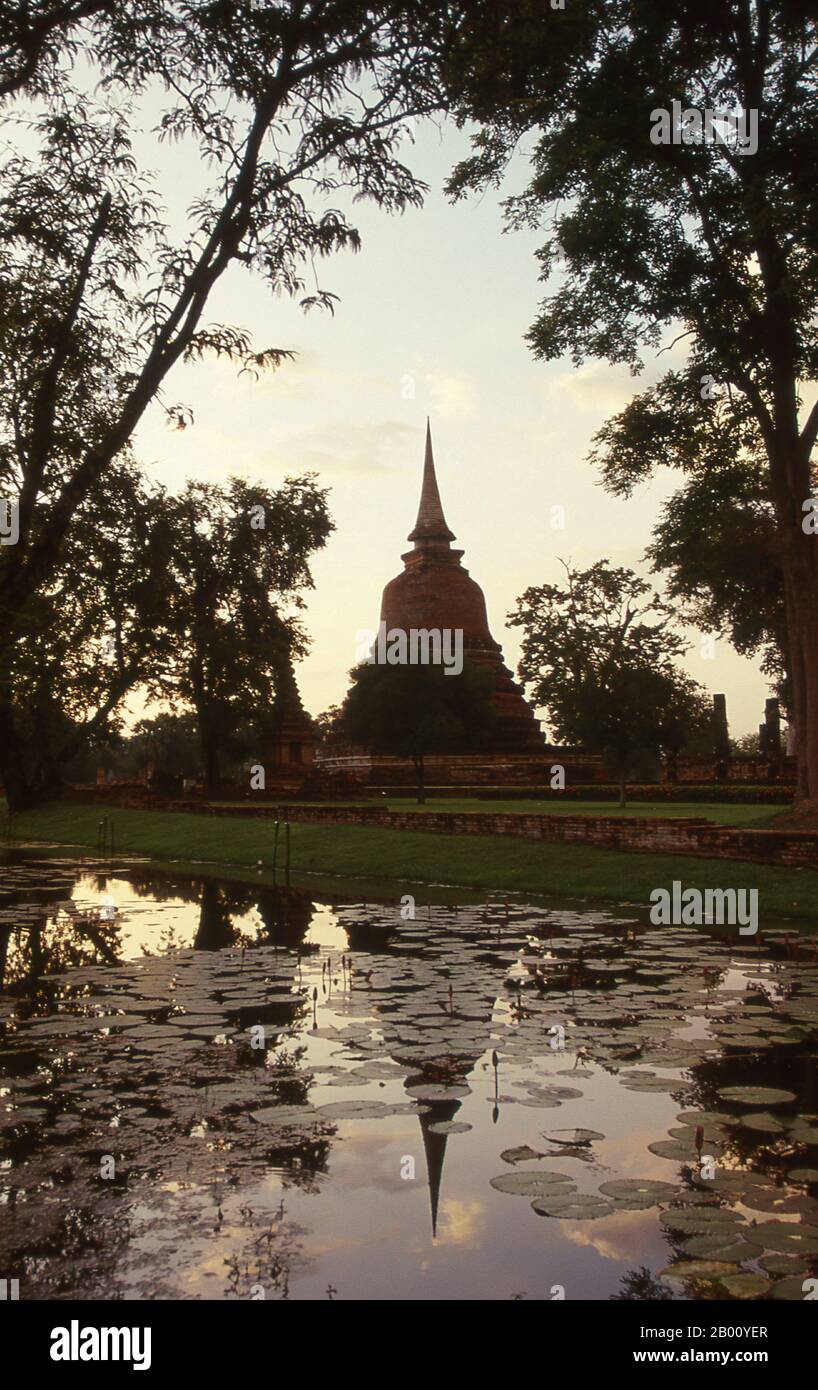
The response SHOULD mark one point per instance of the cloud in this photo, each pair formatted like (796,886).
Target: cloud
(451,395)
(593,387)
(352,448)
(461,1223)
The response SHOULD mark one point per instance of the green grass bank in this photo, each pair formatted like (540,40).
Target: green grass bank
(404,858)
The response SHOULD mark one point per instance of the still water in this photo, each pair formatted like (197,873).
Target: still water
(223,1090)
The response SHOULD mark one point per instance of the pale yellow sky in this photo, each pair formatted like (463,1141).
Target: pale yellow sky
(430,320)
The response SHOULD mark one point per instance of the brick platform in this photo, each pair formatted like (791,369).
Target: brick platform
(633,835)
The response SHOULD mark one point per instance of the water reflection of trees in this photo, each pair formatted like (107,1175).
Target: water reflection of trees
(62,938)
(640,1285)
(285,913)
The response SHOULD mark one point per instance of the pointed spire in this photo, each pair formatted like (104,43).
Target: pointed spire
(434,1147)
(431,523)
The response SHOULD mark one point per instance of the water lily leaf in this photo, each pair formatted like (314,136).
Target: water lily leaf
(719,1248)
(580,1207)
(352,1110)
(756,1095)
(793,1289)
(644,1191)
(573,1137)
(522,1154)
(786,1236)
(533,1184)
(763,1121)
(805,1134)
(708,1270)
(432,1092)
(681,1152)
(701,1221)
(790,1265)
(745,1285)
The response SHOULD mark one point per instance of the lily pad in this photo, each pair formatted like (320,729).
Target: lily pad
(745,1285)
(712,1271)
(533,1184)
(805,1134)
(522,1154)
(762,1121)
(701,1221)
(580,1207)
(352,1110)
(786,1236)
(720,1247)
(793,1290)
(681,1152)
(756,1095)
(572,1137)
(433,1092)
(641,1193)
(791,1265)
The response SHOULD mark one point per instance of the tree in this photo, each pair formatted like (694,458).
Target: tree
(715,540)
(276,108)
(656,228)
(414,711)
(35,35)
(94,632)
(240,553)
(171,743)
(598,656)
(331,732)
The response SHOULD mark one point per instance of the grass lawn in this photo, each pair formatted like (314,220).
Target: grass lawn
(404,858)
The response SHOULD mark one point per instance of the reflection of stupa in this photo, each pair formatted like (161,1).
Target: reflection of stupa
(434,1147)
(435,591)
(436,1036)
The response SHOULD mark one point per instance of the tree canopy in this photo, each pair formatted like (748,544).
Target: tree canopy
(277,111)
(693,234)
(715,541)
(239,563)
(598,655)
(414,711)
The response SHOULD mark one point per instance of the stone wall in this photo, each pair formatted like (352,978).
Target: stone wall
(489,769)
(745,771)
(634,835)
(637,834)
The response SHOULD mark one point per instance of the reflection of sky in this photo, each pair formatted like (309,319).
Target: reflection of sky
(366,1230)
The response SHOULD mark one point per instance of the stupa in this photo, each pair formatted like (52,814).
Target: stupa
(436,591)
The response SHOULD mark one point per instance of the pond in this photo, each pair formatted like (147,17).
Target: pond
(212,1089)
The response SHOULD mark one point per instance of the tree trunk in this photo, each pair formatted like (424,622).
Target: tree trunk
(420,772)
(210,756)
(623,789)
(28,775)
(799,563)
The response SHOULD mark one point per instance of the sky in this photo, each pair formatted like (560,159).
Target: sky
(430,320)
